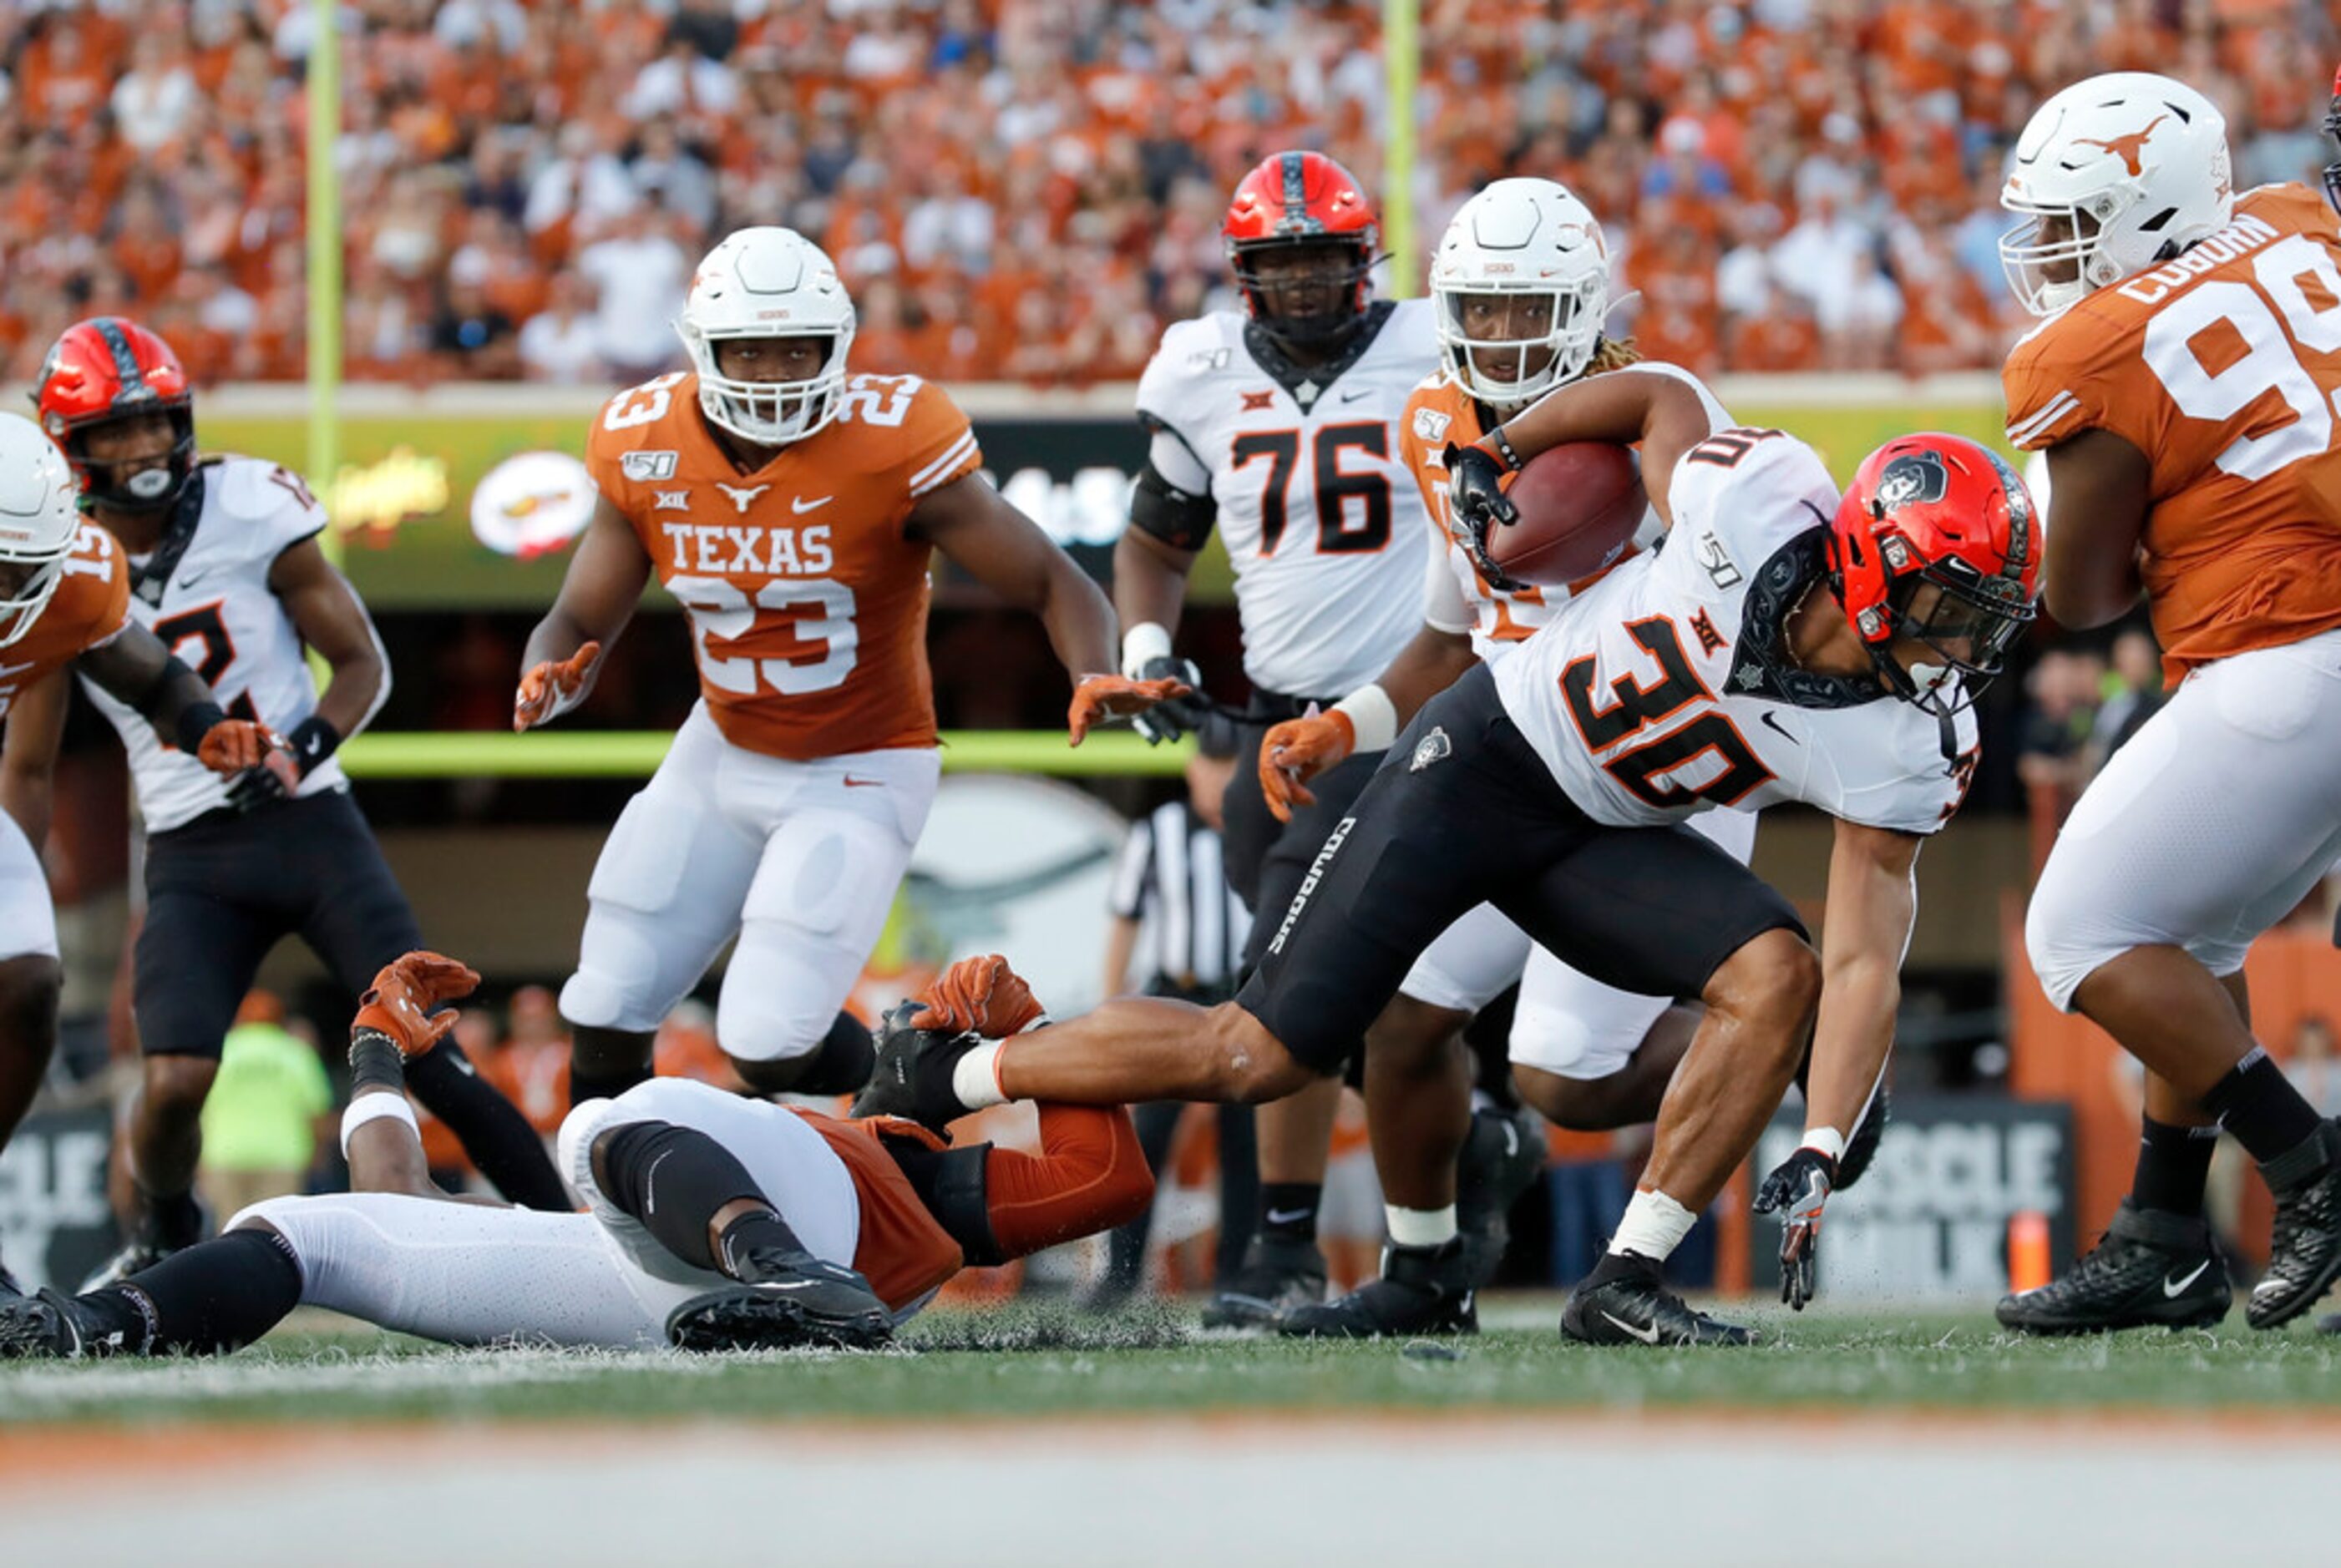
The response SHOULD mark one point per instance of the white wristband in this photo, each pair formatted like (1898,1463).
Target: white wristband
(1373,715)
(1826,1140)
(1147,640)
(373,1109)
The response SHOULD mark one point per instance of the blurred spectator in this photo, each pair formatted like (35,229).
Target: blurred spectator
(952,139)
(262,1121)
(640,276)
(2051,759)
(2133,694)
(2311,1067)
(562,342)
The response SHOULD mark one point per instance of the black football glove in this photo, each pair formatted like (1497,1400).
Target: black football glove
(1796,1191)
(1169,719)
(1475,496)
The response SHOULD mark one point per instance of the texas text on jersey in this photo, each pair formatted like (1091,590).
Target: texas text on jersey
(205,592)
(2242,551)
(1665,689)
(1320,516)
(89,610)
(808,604)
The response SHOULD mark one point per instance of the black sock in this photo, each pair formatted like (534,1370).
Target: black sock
(490,1127)
(673,1179)
(585,1084)
(173,1220)
(840,1064)
(2260,1106)
(2174,1165)
(1288,1210)
(207,1300)
(757,1228)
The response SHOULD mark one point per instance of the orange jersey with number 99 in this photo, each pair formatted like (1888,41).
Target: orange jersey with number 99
(89,610)
(2224,368)
(807,600)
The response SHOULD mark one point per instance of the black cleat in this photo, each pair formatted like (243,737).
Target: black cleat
(50,1326)
(1421,1290)
(783,1300)
(1503,1154)
(1276,1275)
(913,1077)
(1625,1301)
(2153,1268)
(2305,1246)
(174,1226)
(1862,1148)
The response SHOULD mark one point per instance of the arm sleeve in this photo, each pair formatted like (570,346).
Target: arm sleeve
(1089,1176)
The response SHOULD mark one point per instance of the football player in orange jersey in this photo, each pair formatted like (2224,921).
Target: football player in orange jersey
(64,605)
(2183,385)
(792,506)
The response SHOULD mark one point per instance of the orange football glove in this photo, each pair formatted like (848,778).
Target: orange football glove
(550,689)
(980,994)
(404,991)
(253,757)
(1099,698)
(1299,749)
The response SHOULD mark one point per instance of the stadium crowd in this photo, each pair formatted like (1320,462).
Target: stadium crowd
(1794,183)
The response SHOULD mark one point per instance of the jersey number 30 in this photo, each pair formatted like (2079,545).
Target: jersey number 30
(1644,770)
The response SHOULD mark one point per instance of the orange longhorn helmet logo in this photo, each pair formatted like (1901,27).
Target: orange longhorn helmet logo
(2130,149)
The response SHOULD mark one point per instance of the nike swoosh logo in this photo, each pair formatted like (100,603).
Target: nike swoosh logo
(801,507)
(1354,396)
(192,578)
(1647,1336)
(2265,1285)
(2172,1287)
(853,783)
(786,1284)
(1286,1215)
(1778,728)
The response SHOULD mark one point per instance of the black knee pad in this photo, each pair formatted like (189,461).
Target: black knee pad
(673,1179)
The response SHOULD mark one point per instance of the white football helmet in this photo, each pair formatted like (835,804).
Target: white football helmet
(2118,173)
(767,283)
(1525,238)
(40,513)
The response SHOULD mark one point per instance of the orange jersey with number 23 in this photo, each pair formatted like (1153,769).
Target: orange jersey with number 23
(807,600)
(2224,368)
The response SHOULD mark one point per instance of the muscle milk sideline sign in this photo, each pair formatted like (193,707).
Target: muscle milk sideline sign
(1931,1220)
(54,1225)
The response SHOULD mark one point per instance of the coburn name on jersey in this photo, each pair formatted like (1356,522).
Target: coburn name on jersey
(1665,689)
(1322,523)
(205,592)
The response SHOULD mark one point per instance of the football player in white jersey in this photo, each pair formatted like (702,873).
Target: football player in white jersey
(1521,282)
(1788,645)
(226,571)
(1279,427)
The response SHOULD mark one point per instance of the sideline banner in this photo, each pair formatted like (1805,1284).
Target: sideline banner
(1930,1221)
(54,1225)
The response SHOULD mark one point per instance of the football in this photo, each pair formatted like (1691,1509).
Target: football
(1580,504)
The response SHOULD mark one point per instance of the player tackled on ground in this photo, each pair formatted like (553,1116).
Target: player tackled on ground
(794,509)
(1279,428)
(2183,387)
(225,568)
(65,603)
(713,1222)
(1790,645)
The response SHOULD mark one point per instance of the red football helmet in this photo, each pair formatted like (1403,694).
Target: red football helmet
(1302,201)
(1939,513)
(109,368)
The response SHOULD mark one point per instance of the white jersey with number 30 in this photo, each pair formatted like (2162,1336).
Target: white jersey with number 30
(1322,520)
(1663,690)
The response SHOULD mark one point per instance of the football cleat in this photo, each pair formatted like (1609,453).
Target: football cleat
(2152,1268)
(1420,1290)
(1625,1301)
(1862,1146)
(2304,1246)
(912,1075)
(783,1300)
(50,1326)
(1502,1156)
(1276,1276)
(174,1226)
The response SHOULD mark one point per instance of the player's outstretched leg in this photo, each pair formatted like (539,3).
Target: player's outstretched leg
(704,1206)
(208,1299)
(2153,1268)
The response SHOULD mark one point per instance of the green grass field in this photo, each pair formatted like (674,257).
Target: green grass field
(1042,1363)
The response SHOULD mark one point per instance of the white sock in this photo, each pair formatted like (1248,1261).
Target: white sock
(1653,1227)
(1420,1226)
(976,1079)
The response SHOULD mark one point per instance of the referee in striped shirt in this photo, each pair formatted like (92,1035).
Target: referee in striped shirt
(1179,930)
